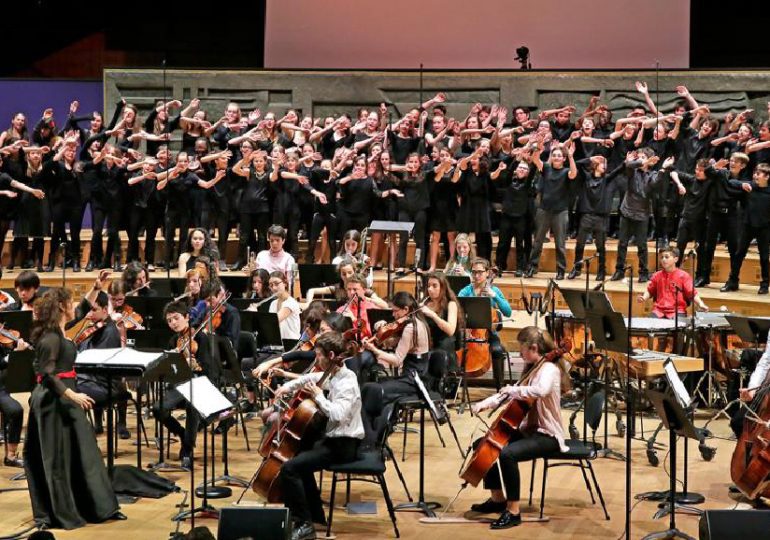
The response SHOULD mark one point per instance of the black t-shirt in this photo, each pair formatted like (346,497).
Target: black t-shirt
(553,188)
(255,198)
(401,147)
(696,198)
(359,196)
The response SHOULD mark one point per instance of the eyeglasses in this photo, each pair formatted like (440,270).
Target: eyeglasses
(478,271)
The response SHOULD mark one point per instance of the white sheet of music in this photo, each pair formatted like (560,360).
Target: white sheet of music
(123,357)
(206,398)
(682,395)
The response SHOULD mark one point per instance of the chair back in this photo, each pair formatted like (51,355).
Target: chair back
(247,345)
(437,370)
(228,361)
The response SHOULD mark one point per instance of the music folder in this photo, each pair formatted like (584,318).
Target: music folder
(204,396)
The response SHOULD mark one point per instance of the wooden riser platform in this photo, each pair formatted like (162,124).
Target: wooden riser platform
(720,269)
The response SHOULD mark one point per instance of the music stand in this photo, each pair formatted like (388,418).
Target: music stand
(235,285)
(314,276)
(21,321)
(478,316)
(458,283)
(392,227)
(609,332)
(750,329)
(376,315)
(265,326)
(156,340)
(169,286)
(675,418)
(19,376)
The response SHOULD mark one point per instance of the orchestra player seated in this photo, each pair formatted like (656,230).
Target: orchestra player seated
(344,432)
(539,433)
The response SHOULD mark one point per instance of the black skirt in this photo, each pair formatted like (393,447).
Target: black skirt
(68,482)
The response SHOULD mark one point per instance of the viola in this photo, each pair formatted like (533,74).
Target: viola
(488,449)
(301,424)
(189,348)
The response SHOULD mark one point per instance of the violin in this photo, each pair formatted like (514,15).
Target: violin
(129,318)
(488,449)
(9,338)
(189,348)
(88,331)
(5,300)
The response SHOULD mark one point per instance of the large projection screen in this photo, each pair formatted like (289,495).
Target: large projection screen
(463,34)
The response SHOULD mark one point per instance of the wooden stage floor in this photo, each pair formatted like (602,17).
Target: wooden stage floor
(572,516)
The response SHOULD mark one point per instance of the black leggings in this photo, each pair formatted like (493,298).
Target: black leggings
(321,221)
(173,222)
(250,221)
(419,218)
(521,447)
(63,214)
(99,216)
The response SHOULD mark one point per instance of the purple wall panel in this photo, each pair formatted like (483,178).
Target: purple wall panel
(32,97)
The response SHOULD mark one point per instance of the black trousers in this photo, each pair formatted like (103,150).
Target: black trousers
(218,216)
(298,485)
(187,434)
(420,221)
(596,225)
(638,229)
(512,228)
(249,222)
(521,447)
(726,225)
(762,235)
(321,221)
(13,413)
(61,215)
(352,221)
(99,394)
(173,222)
(689,230)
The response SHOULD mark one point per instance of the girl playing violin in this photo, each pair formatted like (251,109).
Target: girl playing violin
(411,354)
(351,248)
(539,434)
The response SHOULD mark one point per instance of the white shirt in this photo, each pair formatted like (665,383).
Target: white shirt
(290,326)
(343,406)
(282,262)
(763,366)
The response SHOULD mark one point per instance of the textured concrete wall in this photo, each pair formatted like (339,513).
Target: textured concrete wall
(326,92)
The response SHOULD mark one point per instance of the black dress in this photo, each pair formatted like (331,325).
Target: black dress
(443,208)
(68,482)
(474,209)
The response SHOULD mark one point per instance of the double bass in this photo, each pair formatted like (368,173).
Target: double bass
(488,449)
(302,423)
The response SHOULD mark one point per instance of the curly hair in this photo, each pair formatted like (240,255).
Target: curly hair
(48,311)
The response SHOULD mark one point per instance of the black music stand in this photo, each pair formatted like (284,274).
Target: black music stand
(376,315)
(750,329)
(235,285)
(458,283)
(173,371)
(676,419)
(392,227)
(208,402)
(265,326)
(478,315)
(314,276)
(169,286)
(157,340)
(19,376)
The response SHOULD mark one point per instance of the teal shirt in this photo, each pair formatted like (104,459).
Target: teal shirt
(498,300)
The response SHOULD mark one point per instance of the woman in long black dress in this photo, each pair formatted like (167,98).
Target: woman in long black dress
(68,482)
(443,196)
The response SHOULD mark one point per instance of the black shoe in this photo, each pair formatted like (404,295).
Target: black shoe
(559,275)
(48,268)
(98,429)
(186,463)
(729,286)
(601,275)
(506,521)
(224,425)
(518,273)
(303,531)
(617,276)
(489,507)
(531,271)
(13,462)
(117,267)
(105,265)
(762,289)
(222,266)
(89,266)
(123,433)
(575,272)
(700,282)
(644,277)
(118,516)
(40,268)
(75,266)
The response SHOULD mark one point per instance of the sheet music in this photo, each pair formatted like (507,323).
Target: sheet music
(116,357)
(676,384)
(425,394)
(206,399)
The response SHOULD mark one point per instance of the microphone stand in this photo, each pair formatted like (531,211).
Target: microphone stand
(629,419)
(63,247)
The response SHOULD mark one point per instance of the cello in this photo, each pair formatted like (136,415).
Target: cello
(476,357)
(750,464)
(302,424)
(488,449)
